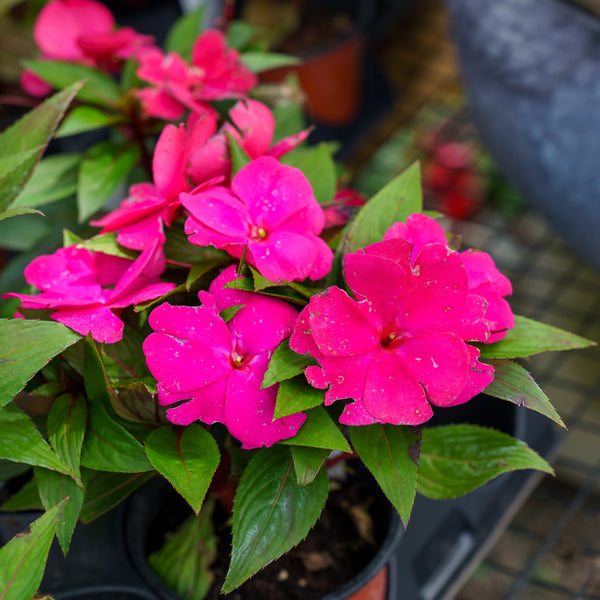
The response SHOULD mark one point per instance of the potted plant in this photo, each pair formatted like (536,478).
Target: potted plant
(238,326)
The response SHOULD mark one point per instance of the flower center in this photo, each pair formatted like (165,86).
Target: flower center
(258,233)
(237,359)
(386,341)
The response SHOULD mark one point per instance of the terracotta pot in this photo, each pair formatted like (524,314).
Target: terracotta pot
(331,75)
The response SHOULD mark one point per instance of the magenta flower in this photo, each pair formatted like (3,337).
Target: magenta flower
(218,366)
(269,213)
(484,278)
(401,344)
(215,73)
(81,31)
(87,290)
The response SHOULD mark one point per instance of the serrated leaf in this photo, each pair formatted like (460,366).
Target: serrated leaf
(9,162)
(24,557)
(34,130)
(107,244)
(110,447)
(99,88)
(22,442)
(308,462)
(391,453)
(266,519)
(19,210)
(513,383)
(184,32)
(395,202)
(295,395)
(184,560)
(456,459)
(187,457)
(27,498)
(66,429)
(531,337)
(317,165)
(135,403)
(319,431)
(86,118)
(284,364)
(263,61)
(54,487)
(102,171)
(104,491)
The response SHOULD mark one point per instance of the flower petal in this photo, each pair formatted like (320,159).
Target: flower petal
(206,404)
(104,326)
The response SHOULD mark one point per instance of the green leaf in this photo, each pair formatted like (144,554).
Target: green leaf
(263,61)
(530,337)
(19,210)
(266,519)
(54,178)
(104,491)
(201,268)
(86,118)
(456,459)
(395,202)
(289,120)
(27,498)
(513,383)
(184,561)
(179,250)
(391,453)
(96,381)
(184,32)
(110,447)
(136,404)
(239,157)
(295,395)
(23,559)
(54,487)
(10,469)
(33,131)
(284,364)
(187,457)
(99,88)
(103,169)
(12,161)
(317,165)
(240,34)
(66,428)
(308,462)
(319,431)
(107,244)
(22,442)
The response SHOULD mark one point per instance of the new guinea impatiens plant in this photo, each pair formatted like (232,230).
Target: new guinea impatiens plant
(238,317)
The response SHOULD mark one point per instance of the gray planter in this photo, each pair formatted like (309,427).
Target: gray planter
(532,72)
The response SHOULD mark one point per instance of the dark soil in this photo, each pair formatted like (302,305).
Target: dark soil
(344,540)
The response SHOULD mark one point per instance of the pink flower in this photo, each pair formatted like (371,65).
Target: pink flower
(215,73)
(269,213)
(401,344)
(81,31)
(87,290)
(339,211)
(484,278)
(218,365)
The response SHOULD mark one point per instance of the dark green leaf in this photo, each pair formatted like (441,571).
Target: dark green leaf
(54,487)
(391,453)
(530,337)
(110,447)
(289,120)
(184,32)
(24,557)
(188,457)
(266,519)
(317,165)
(395,202)
(179,250)
(102,171)
(86,118)
(137,404)
(456,459)
(22,442)
(308,462)
(27,498)
(263,61)
(184,561)
(34,130)
(201,268)
(66,429)
(96,381)
(10,469)
(295,395)
(239,157)
(99,88)
(319,431)
(284,364)
(104,491)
